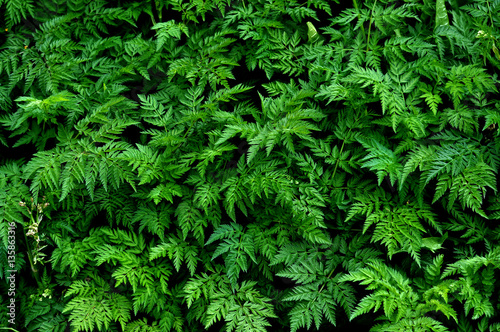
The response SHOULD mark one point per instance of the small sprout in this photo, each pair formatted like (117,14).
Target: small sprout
(46,293)
(312,34)
(482,34)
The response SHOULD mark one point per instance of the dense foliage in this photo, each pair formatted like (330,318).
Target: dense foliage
(250,165)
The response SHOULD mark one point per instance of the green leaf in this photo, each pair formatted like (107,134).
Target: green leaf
(434,243)
(312,34)
(441,13)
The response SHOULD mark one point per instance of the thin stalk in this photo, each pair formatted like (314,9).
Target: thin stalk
(489,13)
(340,153)
(184,137)
(30,255)
(370,26)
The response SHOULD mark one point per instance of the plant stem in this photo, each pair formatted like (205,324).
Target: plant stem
(30,254)
(370,26)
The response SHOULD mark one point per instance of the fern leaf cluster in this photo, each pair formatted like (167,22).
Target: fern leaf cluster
(249,165)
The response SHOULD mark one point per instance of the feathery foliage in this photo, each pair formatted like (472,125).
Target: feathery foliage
(280,165)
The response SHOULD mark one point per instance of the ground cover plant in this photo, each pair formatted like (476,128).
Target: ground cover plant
(249,165)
